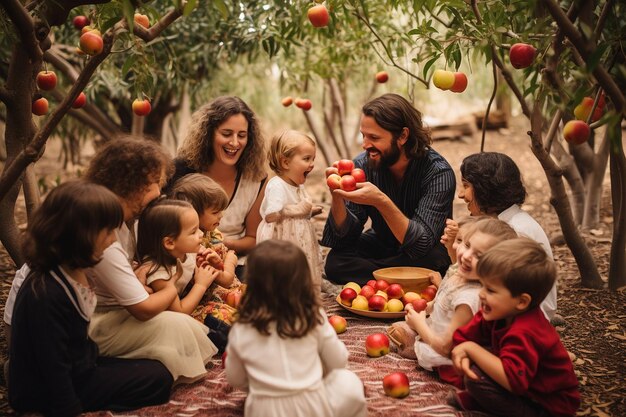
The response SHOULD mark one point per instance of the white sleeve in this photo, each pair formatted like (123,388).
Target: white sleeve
(160,273)
(115,279)
(236,374)
(468,296)
(333,352)
(20,276)
(274,200)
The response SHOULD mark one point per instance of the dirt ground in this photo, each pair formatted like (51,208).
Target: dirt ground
(595,320)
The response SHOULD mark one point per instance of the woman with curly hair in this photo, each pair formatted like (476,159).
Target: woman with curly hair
(492,185)
(225,143)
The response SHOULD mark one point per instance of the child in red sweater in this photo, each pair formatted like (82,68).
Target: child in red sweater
(512,359)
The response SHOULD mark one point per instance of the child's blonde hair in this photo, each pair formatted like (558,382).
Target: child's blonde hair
(201,192)
(522,265)
(495,228)
(283,146)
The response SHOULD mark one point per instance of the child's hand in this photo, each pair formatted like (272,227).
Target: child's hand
(435,278)
(141,271)
(316,210)
(415,319)
(205,275)
(461,360)
(449,233)
(273,217)
(230,258)
(210,257)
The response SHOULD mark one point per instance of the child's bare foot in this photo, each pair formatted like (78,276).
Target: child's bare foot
(404,338)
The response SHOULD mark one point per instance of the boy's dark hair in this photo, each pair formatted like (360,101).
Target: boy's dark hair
(128,165)
(522,265)
(496,181)
(393,113)
(201,192)
(280,290)
(161,219)
(64,229)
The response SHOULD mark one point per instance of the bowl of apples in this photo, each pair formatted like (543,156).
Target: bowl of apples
(410,277)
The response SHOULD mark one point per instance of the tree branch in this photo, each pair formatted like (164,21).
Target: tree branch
(24,27)
(155,30)
(52,56)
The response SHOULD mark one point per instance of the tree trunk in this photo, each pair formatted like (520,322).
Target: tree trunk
(575,181)
(317,135)
(594,185)
(31,191)
(617,264)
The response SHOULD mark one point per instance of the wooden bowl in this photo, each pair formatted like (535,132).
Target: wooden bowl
(382,315)
(410,277)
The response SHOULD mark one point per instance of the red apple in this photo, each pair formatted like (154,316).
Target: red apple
(287,101)
(410,296)
(522,55)
(377,345)
(460,83)
(345,166)
(333,181)
(339,324)
(372,283)
(46,80)
(348,183)
(377,302)
(584,108)
(89,29)
(428,294)
(576,132)
(419,305)
(396,385)
(80,22)
(318,16)
(358,174)
(381,285)
(80,101)
(335,164)
(367,291)
(40,107)
(91,43)
(331,170)
(233,298)
(142,20)
(141,107)
(395,291)
(347,295)
(382,77)
(304,104)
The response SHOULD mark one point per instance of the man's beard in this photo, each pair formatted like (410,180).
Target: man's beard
(388,158)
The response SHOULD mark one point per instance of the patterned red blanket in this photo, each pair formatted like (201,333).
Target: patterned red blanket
(214,397)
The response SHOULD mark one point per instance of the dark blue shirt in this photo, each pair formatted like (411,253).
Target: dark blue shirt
(424,195)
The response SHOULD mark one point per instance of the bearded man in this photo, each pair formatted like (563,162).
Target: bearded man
(408,197)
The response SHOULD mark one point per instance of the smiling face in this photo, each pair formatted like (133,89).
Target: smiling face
(231,138)
(190,237)
(210,219)
(466,193)
(383,151)
(298,167)
(497,303)
(469,252)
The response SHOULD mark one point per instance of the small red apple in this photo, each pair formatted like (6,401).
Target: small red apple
(141,107)
(395,291)
(330,170)
(382,77)
(584,108)
(358,174)
(428,294)
(396,385)
(419,305)
(287,101)
(348,183)
(460,83)
(576,132)
(347,295)
(345,166)
(142,20)
(91,43)
(304,103)
(377,345)
(40,107)
(233,298)
(339,324)
(46,80)
(372,283)
(376,302)
(80,101)
(333,181)
(318,16)
(522,55)
(381,285)
(367,291)
(80,22)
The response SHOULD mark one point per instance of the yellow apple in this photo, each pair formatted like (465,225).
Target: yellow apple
(394,305)
(443,79)
(360,303)
(382,294)
(356,287)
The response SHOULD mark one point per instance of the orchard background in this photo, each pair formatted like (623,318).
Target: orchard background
(263,51)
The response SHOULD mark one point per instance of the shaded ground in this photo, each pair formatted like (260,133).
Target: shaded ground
(595,328)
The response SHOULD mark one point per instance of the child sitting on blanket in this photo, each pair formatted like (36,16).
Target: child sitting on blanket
(429,339)
(512,359)
(282,347)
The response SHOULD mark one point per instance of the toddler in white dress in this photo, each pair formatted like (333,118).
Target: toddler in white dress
(282,348)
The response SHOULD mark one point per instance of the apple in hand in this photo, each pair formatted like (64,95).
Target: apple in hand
(419,305)
(428,293)
(318,16)
(410,296)
(141,107)
(381,285)
(358,174)
(348,183)
(443,79)
(287,101)
(367,291)
(80,22)
(395,291)
(80,101)
(377,302)
(382,77)
(91,43)
(576,132)
(233,298)
(345,166)
(331,170)
(522,55)
(46,80)
(40,107)
(460,83)
(377,345)
(339,324)
(347,295)
(333,181)
(396,385)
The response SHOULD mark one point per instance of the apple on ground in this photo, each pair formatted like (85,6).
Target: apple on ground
(141,107)
(356,287)
(80,101)
(345,166)
(46,80)
(377,345)
(318,16)
(395,291)
(80,22)
(358,174)
(347,295)
(410,296)
(331,170)
(381,285)
(360,303)
(522,55)
(372,283)
(91,43)
(460,83)
(395,305)
(333,181)
(428,294)
(142,20)
(339,324)
(377,303)
(443,79)
(348,183)
(367,291)
(419,305)
(287,101)
(40,107)
(233,298)
(396,385)
(576,132)
(382,77)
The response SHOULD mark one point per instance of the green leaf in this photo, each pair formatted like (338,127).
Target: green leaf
(221,6)
(130,61)
(129,13)
(430,64)
(189,6)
